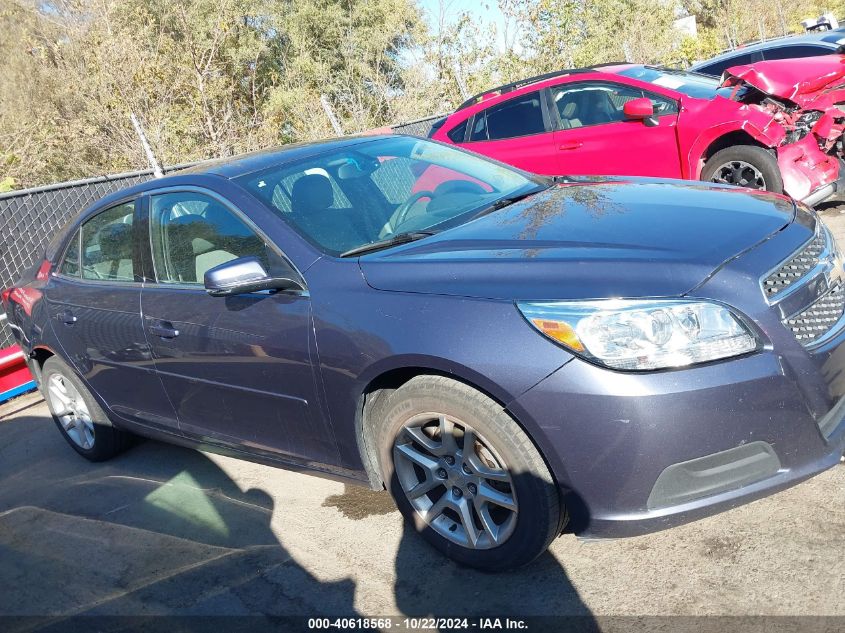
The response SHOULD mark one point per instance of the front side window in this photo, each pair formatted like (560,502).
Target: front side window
(191,232)
(391,185)
(107,245)
(582,104)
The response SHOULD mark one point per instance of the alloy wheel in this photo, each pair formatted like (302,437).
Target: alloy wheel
(739,173)
(69,407)
(455,481)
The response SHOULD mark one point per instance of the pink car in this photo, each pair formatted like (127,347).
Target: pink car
(773,125)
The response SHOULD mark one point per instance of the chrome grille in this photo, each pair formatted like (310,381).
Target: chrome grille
(819,317)
(796,267)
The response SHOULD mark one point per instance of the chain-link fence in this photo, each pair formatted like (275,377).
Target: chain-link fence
(29,218)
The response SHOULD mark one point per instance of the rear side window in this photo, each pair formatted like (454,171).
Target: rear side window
(458,134)
(70,264)
(107,245)
(520,116)
(788,52)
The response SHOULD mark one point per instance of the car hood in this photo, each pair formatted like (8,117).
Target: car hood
(605,238)
(804,80)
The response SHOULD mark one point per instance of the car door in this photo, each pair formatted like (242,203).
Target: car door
(94,301)
(594,137)
(238,369)
(517,131)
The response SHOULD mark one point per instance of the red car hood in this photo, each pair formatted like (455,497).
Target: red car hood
(806,81)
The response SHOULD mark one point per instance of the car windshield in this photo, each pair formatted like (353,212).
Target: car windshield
(373,191)
(688,83)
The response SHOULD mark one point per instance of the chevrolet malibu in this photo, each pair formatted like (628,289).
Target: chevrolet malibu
(511,356)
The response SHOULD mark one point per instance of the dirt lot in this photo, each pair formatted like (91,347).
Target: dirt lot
(165,530)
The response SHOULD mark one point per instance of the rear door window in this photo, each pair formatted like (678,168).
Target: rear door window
(107,245)
(520,116)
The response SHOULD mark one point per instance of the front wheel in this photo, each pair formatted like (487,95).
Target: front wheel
(466,475)
(744,166)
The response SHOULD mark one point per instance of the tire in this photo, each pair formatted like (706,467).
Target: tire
(83,423)
(736,165)
(430,404)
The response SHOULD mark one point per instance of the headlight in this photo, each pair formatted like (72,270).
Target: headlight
(643,334)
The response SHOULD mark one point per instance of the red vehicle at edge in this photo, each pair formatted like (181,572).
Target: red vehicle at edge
(771,125)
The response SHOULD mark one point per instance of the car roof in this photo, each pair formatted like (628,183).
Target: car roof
(240,165)
(611,67)
(830,38)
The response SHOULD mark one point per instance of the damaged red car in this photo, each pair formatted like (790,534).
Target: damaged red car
(772,125)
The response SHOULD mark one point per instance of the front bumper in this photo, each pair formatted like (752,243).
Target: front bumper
(809,175)
(645,452)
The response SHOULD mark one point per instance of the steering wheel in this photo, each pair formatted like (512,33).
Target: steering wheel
(401,213)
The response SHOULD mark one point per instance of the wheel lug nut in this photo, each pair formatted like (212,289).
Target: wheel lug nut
(457,492)
(441,472)
(449,460)
(472,489)
(466,469)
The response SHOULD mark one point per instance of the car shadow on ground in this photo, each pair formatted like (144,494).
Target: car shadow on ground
(163,530)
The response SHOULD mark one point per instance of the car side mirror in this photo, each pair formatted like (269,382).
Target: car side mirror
(640,109)
(243,275)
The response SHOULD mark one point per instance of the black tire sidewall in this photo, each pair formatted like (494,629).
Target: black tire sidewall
(760,157)
(107,439)
(539,517)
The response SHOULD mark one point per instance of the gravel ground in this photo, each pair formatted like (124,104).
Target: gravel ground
(166,530)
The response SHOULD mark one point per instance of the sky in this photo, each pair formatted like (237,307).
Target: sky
(485,11)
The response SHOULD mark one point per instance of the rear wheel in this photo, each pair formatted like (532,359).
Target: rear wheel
(466,475)
(744,166)
(82,421)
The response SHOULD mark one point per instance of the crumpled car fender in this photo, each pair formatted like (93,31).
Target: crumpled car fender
(805,168)
(706,122)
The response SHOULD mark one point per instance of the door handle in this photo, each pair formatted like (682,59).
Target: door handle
(164,330)
(67,317)
(570,145)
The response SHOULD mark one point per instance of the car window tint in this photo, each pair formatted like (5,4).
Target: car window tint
(520,116)
(458,134)
(595,103)
(107,245)
(192,232)
(70,264)
(788,52)
(479,128)
(717,68)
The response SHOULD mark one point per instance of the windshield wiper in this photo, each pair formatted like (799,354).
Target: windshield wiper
(501,203)
(393,240)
